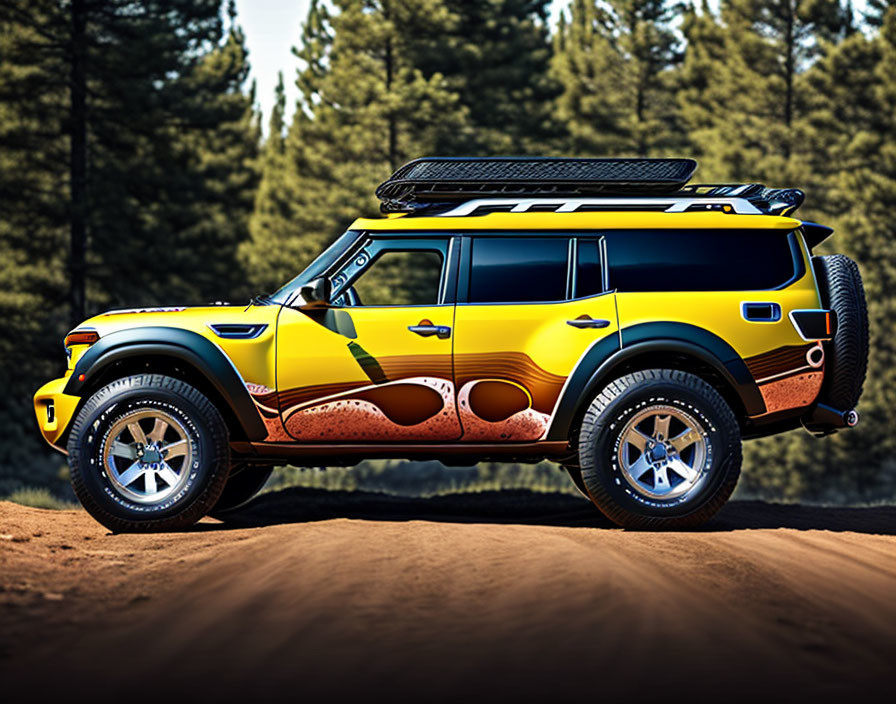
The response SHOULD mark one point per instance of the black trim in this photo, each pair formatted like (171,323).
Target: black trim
(578,384)
(349,454)
(818,324)
(598,366)
(184,345)
(760,312)
(463,270)
(238,331)
(815,234)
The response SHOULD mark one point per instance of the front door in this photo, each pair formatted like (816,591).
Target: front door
(529,307)
(377,366)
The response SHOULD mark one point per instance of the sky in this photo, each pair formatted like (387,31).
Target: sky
(272,28)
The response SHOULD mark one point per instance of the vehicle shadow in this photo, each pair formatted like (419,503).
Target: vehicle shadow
(301,505)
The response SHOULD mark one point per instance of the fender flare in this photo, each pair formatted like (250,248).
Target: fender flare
(176,343)
(597,366)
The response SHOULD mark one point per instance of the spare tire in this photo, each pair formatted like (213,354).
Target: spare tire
(846,355)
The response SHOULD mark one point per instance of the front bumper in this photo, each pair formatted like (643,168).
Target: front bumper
(54,410)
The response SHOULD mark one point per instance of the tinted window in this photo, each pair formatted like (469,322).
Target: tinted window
(518,270)
(588,278)
(700,260)
(400,278)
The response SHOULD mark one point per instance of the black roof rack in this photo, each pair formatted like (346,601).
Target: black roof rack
(436,184)
(450,179)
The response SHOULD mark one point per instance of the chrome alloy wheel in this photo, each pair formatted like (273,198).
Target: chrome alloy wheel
(147,456)
(663,452)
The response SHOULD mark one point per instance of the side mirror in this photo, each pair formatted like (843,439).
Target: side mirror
(314,294)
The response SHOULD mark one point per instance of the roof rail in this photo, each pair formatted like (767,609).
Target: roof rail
(672,204)
(519,184)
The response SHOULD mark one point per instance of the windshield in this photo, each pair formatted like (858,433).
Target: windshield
(317,267)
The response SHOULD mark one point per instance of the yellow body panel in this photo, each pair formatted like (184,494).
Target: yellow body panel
(64,407)
(254,359)
(530,346)
(319,367)
(580,221)
(719,312)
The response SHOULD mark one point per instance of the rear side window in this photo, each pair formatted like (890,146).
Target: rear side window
(518,270)
(588,273)
(701,260)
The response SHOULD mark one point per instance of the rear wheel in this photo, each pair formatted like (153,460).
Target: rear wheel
(659,449)
(148,453)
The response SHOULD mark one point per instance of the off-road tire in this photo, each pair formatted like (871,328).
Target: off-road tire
(604,422)
(207,433)
(244,482)
(846,355)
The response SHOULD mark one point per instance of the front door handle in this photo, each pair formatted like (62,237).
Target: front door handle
(586,322)
(428,330)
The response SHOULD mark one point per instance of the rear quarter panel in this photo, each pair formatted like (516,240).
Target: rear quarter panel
(774,352)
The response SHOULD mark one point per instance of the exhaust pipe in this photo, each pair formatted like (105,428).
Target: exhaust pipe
(824,419)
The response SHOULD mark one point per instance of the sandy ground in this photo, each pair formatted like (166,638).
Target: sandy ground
(507,596)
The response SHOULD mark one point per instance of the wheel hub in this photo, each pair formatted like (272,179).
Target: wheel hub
(663,452)
(147,456)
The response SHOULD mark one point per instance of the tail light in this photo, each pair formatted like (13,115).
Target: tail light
(815,324)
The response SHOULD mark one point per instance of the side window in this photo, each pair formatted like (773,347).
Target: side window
(588,274)
(518,269)
(701,260)
(392,272)
(401,278)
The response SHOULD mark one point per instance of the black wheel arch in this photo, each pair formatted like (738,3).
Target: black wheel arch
(663,345)
(175,351)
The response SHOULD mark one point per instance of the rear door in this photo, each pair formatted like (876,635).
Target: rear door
(530,305)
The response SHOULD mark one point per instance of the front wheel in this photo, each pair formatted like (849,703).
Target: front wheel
(148,453)
(659,449)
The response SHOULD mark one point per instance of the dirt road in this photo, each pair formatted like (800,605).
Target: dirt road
(326,596)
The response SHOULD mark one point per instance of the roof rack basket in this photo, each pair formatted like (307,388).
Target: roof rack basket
(526,184)
(445,179)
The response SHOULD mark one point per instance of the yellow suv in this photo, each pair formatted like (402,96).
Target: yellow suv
(601,313)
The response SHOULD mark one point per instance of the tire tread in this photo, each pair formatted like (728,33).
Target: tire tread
(214,426)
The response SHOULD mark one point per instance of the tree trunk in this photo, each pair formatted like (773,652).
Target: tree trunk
(78,162)
(789,69)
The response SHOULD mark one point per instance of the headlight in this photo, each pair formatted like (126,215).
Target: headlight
(78,337)
(81,337)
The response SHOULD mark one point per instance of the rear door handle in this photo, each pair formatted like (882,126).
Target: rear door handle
(441,331)
(586,322)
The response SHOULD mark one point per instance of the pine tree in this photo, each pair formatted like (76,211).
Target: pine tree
(173,142)
(33,227)
(495,55)
(851,98)
(590,67)
(365,109)
(127,149)
(614,60)
(747,121)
